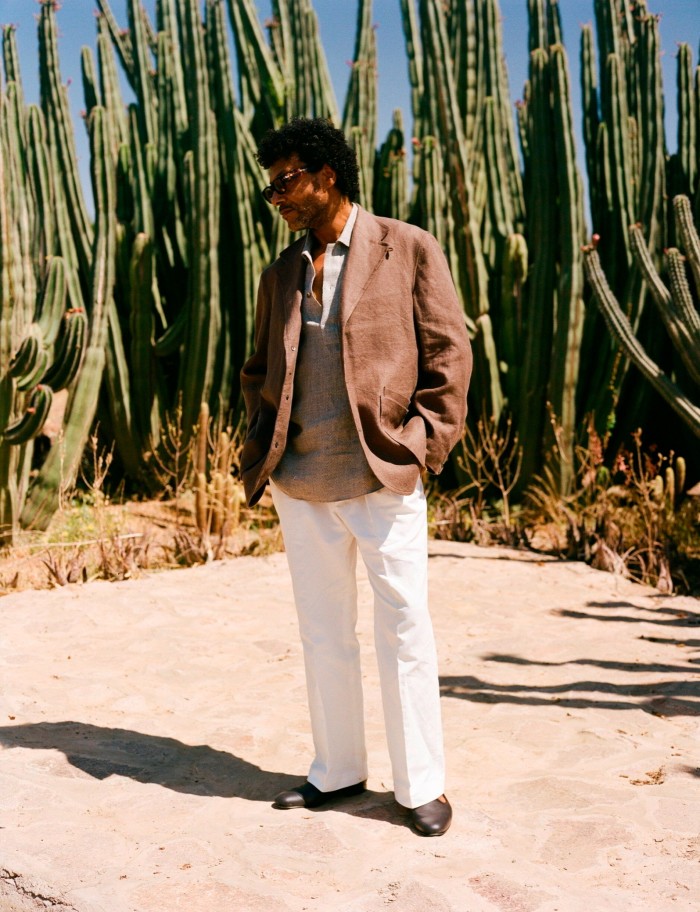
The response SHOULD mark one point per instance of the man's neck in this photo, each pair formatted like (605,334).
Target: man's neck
(332,228)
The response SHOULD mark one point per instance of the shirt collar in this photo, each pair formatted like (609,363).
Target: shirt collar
(345,234)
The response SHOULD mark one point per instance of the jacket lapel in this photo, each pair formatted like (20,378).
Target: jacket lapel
(292,281)
(367,250)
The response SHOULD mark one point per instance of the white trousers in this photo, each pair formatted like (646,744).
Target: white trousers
(321,540)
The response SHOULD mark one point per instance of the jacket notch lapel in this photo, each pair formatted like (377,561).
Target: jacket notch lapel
(292,283)
(367,250)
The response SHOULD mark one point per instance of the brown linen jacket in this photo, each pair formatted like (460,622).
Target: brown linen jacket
(406,354)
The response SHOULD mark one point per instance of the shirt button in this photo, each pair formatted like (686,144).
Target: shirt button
(294,348)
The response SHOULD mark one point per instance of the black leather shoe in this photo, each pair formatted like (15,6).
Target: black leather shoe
(433,818)
(308,796)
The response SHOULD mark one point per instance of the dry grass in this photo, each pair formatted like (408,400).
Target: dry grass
(199,517)
(633,519)
(88,541)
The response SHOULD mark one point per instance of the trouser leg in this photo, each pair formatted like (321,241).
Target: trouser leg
(322,556)
(391,531)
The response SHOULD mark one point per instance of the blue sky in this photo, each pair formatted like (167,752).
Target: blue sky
(680,21)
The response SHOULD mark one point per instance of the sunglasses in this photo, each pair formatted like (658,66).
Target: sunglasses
(279,184)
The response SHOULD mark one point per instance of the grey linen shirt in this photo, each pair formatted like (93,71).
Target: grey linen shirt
(323,458)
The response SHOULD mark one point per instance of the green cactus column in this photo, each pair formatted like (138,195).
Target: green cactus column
(39,340)
(678,312)
(440,118)
(391,173)
(360,114)
(202,179)
(626,155)
(54,102)
(566,349)
(684,165)
(542,230)
(59,470)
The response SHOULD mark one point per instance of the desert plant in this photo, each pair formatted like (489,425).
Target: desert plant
(218,495)
(630,519)
(625,144)
(42,326)
(64,568)
(481,509)
(676,306)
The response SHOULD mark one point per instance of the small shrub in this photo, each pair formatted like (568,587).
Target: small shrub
(630,518)
(481,510)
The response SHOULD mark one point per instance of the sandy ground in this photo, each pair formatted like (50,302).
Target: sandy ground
(147,725)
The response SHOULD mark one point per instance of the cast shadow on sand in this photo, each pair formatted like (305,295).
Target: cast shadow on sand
(195,769)
(657,695)
(662,615)
(660,698)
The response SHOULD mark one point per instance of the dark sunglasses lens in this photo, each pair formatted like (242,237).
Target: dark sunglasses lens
(279,185)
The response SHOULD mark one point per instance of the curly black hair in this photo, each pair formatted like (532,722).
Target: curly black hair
(317,143)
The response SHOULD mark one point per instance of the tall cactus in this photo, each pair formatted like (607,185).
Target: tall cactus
(676,305)
(360,114)
(69,192)
(246,216)
(684,166)
(625,149)
(202,181)
(391,174)
(494,219)
(548,372)
(41,343)
(61,465)
(440,132)
(300,58)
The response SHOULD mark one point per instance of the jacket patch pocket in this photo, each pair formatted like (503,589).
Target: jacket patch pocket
(393,407)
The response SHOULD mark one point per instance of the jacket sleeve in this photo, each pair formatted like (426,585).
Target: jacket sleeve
(444,354)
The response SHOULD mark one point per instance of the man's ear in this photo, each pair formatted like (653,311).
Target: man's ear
(329,175)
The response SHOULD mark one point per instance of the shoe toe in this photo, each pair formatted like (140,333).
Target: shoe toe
(308,796)
(433,818)
(288,800)
(300,797)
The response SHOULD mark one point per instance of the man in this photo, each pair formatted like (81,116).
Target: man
(358,382)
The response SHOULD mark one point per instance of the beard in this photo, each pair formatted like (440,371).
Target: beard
(303,216)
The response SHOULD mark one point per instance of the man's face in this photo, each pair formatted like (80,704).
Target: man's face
(305,201)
